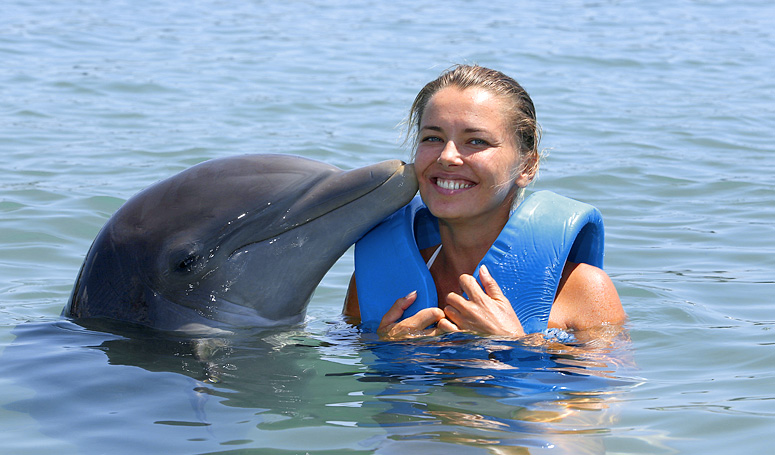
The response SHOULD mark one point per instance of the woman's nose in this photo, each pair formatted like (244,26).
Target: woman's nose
(450,156)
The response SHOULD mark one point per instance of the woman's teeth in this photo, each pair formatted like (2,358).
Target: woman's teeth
(453,184)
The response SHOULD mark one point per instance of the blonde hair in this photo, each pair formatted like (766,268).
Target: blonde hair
(520,108)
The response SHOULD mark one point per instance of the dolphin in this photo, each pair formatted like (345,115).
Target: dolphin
(234,242)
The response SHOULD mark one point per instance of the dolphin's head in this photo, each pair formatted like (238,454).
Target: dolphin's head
(239,241)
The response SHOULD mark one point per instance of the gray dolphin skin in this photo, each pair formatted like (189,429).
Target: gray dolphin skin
(233,242)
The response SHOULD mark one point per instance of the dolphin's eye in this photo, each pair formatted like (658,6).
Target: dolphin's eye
(184,258)
(185,262)
(188,263)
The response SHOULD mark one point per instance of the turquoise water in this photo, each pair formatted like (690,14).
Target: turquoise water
(659,113)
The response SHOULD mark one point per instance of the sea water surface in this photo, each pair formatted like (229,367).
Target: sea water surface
(660,113)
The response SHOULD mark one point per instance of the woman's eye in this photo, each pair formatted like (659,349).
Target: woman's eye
(480,142)
(431,139)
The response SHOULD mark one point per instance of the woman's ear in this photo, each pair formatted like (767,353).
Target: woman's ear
(528,171)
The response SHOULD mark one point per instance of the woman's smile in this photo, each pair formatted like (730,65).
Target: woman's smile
(451,184)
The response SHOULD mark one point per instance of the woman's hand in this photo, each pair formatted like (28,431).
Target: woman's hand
(413,326)
(487,310)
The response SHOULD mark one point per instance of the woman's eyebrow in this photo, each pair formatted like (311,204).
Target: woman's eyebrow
(432,128)
(467,130)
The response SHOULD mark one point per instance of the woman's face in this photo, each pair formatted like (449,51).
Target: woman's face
(466,160)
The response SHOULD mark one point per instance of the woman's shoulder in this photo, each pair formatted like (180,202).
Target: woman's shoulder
(586,298)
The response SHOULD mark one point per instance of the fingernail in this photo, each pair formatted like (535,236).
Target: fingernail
(484,269)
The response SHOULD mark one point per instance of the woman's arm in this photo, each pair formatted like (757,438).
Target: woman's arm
(351,308)
(586,298)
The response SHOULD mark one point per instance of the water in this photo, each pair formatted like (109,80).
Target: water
(659,113)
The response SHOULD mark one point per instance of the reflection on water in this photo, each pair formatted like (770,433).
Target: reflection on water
(498,395)
(463,393)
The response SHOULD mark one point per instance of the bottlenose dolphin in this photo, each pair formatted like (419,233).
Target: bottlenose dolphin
(233,242)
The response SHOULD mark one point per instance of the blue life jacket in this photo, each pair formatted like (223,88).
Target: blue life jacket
(527,258)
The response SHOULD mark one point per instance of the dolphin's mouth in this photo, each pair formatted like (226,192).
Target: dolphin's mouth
(335,192)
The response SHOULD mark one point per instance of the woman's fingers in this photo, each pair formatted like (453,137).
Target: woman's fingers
(413,326)
(487,310)
(489,284)
(471,288)
(445,326)
(477,293)
(397,310)
(423,319)
(417,325)
(456,309)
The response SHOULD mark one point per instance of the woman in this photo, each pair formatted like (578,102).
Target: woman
(476,149)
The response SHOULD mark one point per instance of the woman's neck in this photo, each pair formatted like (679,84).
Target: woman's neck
(466,243)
